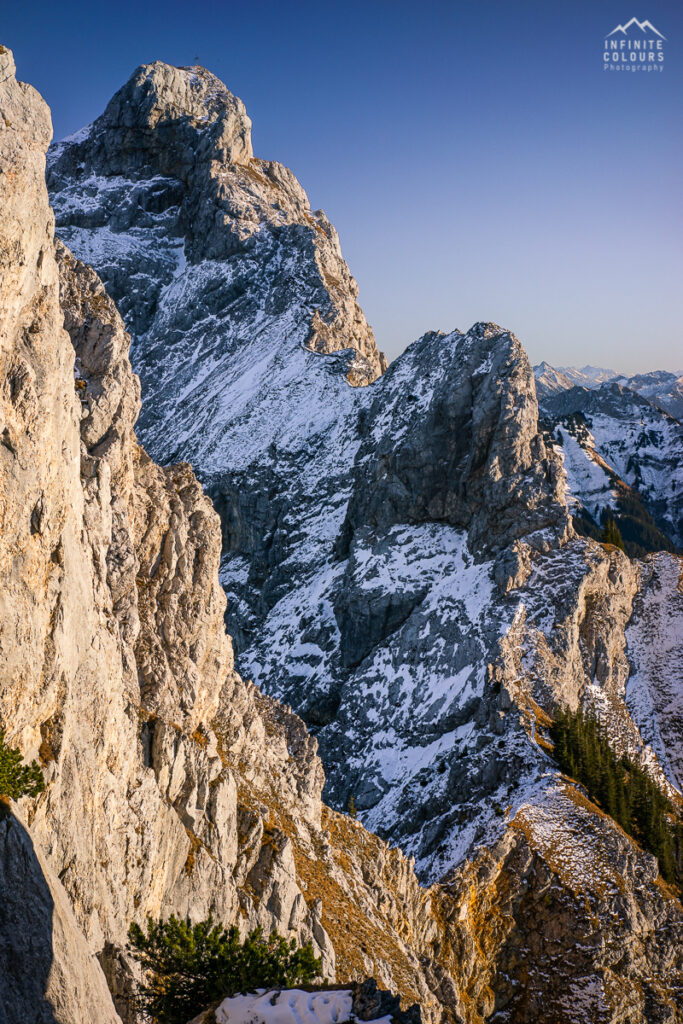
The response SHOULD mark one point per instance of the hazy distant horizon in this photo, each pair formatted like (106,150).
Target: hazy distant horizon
(475,159)
(617,370)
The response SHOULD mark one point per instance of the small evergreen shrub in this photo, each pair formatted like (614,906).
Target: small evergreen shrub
(611,534)
(16,778)
(622,789)
(190,967)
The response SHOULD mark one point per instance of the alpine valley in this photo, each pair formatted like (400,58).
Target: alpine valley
(418,582)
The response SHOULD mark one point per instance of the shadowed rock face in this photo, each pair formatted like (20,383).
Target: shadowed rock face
(194,792)
(468,454)
(25,929)
(48,974)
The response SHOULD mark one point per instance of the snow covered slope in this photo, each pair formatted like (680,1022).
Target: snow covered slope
(291,1006)
(620,450)
(654,640)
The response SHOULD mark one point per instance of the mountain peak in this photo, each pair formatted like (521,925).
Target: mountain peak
(158,92)
(597,372)
(165,120)
(171,156)
(486,329)
(7,65)
(178,102)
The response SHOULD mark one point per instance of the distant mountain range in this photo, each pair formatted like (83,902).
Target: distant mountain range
(663,388)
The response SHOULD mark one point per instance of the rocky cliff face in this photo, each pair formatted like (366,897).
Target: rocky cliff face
(464,451)
(400,566)
(117,672)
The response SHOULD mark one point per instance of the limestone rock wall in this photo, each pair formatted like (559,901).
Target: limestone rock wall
(115,660)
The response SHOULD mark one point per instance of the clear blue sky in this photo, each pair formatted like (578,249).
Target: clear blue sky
(477,161)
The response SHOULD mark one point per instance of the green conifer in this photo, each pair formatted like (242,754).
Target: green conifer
(16,778)
(582,751)
(611,534)
(190,967)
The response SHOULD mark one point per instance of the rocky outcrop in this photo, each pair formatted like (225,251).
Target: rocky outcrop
(560,884)
(464,451)
(194,792)
(371,1002)
(48,973)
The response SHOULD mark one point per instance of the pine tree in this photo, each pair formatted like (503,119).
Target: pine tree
(622,789)
(16,778)
(190,967)
(611,534)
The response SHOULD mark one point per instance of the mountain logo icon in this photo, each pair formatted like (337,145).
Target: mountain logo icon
(644,27)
